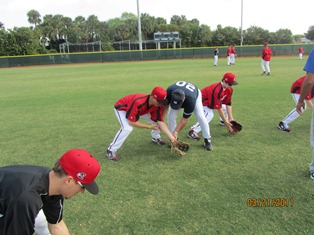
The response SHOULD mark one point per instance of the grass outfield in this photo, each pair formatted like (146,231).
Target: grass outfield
(47,110)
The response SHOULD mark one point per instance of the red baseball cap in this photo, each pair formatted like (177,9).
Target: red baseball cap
(83,167)
(160,94)
(265,43)
(230,78)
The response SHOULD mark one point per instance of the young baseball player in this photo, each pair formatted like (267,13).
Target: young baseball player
(228,54)
(307,86)
(216,55)
(300,51)
(31,197)
(130,109)
(293,115)
(213,97)
(185,95)
(266,56)
(232,55)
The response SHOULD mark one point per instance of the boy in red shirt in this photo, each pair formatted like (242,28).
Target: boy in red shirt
(300,51)
(293,115)
(213,97)
(266,56)
(131,108)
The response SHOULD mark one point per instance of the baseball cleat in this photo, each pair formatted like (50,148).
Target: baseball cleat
(283,127)
(207,145)
(312,175)
(158,141)
(112,155)
(193,135)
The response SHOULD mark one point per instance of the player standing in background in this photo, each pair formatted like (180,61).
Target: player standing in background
(266,56)
(212,98)
(307,86)
(31,197)
(130,109)
(228,55)
(216,55)
(293,115)
(187,96)
(300,51)
(232,55)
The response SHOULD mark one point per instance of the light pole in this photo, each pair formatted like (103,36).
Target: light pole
(139,26)
(241,22)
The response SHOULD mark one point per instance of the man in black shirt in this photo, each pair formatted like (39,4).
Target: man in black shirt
(27,190)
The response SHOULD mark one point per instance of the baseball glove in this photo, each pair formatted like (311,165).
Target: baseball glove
(179,147)
(237,127)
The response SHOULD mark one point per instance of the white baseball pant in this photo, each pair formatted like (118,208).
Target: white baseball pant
(126,129)
(41,224)
(228,60)
(209,115)
(293,115)
(216,60)
(232,58)
(264,64)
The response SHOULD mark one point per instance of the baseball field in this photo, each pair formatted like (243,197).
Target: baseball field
(253,182)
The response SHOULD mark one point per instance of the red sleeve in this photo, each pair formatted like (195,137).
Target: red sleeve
(135,105)
(296,85)
(226,99)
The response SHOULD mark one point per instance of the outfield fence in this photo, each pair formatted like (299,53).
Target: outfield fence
(163,54)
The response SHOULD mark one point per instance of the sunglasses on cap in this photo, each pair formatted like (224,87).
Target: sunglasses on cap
(79,183)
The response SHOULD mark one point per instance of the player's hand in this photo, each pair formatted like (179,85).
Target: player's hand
(300,107)
(175,134)
(229,126)
(155,127)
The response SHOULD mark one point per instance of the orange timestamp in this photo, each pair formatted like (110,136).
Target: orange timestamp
(270,202)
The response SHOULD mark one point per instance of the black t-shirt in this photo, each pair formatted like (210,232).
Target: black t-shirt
(191,94)
(24,190)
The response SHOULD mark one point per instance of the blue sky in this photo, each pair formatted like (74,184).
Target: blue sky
(267,14)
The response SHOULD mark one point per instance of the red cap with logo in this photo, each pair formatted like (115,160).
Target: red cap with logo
(230,78)
(160,94)
(83,167)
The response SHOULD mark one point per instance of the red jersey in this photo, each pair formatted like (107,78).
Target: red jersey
(300,50)
(296,87)
(266,53)
(137,105)
(228,51)
(232,50)
(215,95)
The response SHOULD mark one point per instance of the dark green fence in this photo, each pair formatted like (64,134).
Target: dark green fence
(164,54)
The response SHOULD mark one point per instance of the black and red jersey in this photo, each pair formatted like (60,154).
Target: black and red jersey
(297,85)
(137,105)
(215,95)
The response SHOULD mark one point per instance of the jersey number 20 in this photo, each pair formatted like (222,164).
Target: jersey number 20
(187,85)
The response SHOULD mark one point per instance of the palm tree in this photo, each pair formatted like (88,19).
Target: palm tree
(34,17)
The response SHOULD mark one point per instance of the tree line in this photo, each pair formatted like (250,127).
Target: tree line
(47,32)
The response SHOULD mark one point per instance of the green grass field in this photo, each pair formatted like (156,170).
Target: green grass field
(47,110)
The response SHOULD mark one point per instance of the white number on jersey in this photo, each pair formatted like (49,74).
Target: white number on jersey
(187,85)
